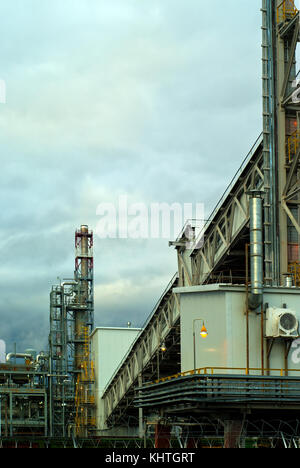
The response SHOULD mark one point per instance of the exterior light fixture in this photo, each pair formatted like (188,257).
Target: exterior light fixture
(163,347)
(203,334)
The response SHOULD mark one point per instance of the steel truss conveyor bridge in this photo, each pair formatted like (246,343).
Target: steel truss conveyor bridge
(146,361)
(218,254)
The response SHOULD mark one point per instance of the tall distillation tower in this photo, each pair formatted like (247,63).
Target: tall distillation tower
(71,322)
(83,314)
(281,111)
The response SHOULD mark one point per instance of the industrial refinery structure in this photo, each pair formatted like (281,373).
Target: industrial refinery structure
(217,360)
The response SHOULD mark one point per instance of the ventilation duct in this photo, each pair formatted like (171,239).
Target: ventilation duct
(256,249)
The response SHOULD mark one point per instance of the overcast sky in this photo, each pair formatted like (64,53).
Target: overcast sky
(157,100)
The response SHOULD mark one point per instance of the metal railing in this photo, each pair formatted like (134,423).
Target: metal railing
(294,270)
(293,142)
(273,392)
(286,10)
(215,371)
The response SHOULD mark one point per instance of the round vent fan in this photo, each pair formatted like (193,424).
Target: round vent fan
(288,322)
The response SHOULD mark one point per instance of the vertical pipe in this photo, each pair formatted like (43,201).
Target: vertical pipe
(194,349)
(141,415)
(10,414)
(6,417)
(51,416)
(262,340)
(247,307)
(270,342)
(256,249)
(255,299)
(256,245)
(286,355)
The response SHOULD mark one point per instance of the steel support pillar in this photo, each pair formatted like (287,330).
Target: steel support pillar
(162,436)
(232,433)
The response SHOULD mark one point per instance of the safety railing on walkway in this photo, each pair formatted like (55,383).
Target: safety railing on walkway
(286,10)
(293,142)
(275,392)
(294,270)
(227,370)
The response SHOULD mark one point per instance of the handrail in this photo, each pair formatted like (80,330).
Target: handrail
(286,10)
(205,371)
(293,144)
(294,269)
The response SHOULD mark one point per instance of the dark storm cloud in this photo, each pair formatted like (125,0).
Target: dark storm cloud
(157,100)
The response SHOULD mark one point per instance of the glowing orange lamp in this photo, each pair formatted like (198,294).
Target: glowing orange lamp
(203,332)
